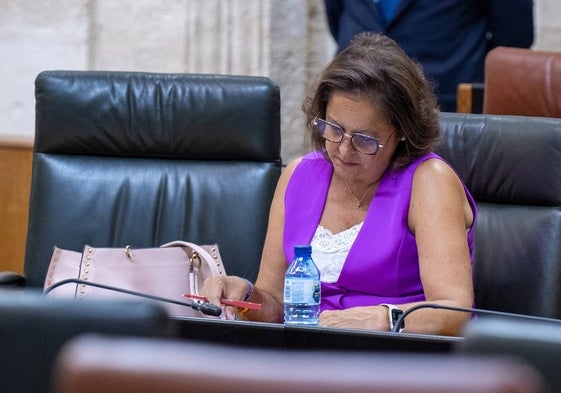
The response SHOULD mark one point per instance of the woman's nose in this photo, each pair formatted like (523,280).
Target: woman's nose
(346,143)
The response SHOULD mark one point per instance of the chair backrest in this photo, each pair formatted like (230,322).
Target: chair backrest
(512,166)
(537,342)
(522,82)
(34,329)
(126,365)
(142,159)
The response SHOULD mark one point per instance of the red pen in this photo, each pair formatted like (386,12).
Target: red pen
(241,304)
(227,302)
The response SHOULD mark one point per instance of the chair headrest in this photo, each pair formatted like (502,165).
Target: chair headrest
(191,116)
(505,159)
(521,81)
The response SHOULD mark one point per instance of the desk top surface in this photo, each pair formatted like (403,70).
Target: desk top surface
(271,335)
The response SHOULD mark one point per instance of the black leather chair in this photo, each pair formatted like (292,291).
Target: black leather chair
(141,159)
(34,329)
(512,166)
(536,342)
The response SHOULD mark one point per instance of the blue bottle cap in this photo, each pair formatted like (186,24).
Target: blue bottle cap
(304,248)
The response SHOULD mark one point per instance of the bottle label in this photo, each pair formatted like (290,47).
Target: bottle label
(301,291)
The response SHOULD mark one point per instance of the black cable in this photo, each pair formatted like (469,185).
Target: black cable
(469,310)
(206,308)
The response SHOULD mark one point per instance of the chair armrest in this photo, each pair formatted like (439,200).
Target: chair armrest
(470,98)
(11,279)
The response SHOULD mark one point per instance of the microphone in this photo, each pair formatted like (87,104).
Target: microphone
(480,311)
(206,308)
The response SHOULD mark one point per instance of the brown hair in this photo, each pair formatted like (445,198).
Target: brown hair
(375,67)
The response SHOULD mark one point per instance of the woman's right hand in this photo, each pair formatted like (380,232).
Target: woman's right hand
(225,287)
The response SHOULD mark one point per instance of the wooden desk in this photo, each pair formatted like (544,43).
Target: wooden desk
(269,335)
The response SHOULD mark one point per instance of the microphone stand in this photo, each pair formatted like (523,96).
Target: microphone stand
(469,310)
(205,308)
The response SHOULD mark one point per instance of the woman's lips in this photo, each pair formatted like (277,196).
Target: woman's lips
(346,163)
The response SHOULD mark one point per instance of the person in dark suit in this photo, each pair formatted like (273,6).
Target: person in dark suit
(450,38)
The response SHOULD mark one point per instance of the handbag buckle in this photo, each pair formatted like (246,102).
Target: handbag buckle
(194,257)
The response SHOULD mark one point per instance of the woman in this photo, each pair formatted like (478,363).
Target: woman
(390,223)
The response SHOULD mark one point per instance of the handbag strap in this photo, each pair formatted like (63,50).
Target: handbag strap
(208,254)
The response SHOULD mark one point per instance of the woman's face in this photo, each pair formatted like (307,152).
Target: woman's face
(355,114)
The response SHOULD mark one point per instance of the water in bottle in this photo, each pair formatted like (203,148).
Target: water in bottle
(302,289)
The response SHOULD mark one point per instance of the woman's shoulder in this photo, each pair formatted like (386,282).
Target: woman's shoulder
(432,163)
(290,167)
(433,168)
(306,170)
(312,158)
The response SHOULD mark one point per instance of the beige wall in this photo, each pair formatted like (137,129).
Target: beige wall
(286,40)
(547,24)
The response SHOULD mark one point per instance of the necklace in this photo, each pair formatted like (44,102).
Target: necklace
(358,201)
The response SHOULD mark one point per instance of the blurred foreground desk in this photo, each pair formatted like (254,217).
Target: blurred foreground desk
(270,335)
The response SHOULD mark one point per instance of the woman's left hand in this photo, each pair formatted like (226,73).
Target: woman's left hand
(371,317)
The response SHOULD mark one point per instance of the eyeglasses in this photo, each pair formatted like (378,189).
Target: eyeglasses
(362,143)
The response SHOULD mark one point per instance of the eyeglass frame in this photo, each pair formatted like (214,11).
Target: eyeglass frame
(349,137)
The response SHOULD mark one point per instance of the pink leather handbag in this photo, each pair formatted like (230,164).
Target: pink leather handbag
(168,272)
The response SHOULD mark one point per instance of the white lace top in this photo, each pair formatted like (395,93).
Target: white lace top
(329,250)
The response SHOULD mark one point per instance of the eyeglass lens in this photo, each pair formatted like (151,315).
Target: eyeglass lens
(362,143)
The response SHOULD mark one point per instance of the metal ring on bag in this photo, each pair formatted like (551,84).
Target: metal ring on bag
(128,253)
(194,256)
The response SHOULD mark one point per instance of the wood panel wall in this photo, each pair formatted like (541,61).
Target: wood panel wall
(15,184)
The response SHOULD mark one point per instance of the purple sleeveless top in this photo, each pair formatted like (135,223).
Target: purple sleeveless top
(382,265)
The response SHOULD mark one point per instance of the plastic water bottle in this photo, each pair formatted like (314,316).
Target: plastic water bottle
(302,289)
